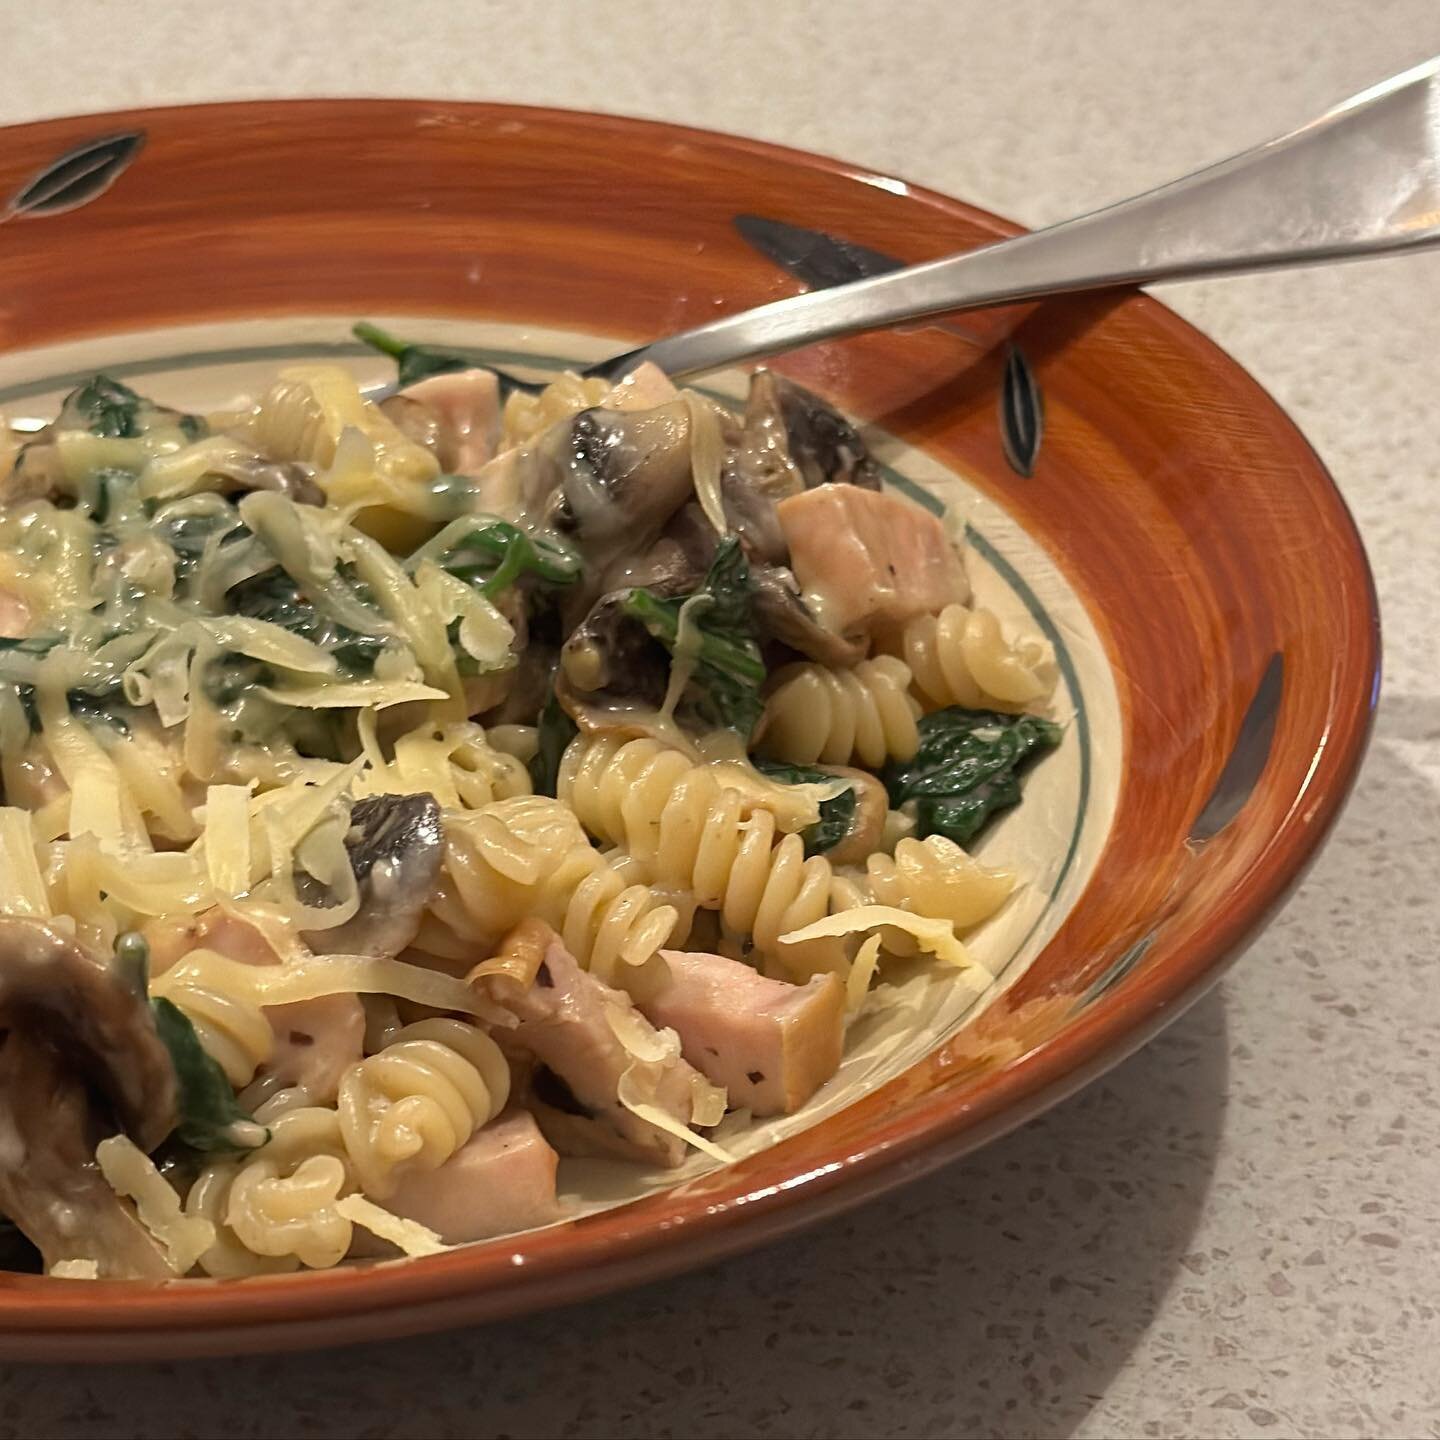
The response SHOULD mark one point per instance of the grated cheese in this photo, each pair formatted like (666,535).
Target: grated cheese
(936,936)
(410,1237)
(129,1172)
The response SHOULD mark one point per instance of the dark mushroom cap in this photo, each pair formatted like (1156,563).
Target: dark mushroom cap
(824,447)
(49,986)
(395,846)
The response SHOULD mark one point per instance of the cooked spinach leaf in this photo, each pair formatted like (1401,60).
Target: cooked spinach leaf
(103,406)
(837,815)
(103,494)
(106,406)
(495,554)
(416,362)
(725,683)
(275,596)
(188,531)
(209,1111)
(100,698)
(132,962)
(967,768)
(555,731)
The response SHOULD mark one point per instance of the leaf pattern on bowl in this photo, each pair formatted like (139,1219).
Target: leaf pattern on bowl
(1248,756)
(818,259)
(76,177)
(1022,413)
(821,260)
(1123,964)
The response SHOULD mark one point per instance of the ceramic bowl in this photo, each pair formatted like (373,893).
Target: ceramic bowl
(1121,486)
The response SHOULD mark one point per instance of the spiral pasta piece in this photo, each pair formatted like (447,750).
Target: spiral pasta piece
(619,789)
(636,793)
(309,407)
(233,1029)
(690,836)
(863,713)
(530,856)
(936,878)
(455,762)
(414,1104)
(526,417)
(275,1209)
(960,656)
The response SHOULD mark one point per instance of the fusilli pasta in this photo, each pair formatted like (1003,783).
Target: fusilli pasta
(275,1209)
(232,1028)
(687,833)
(529,856)
(417,1101)
(960,656)
(864,713)
(932,877)
(309,407)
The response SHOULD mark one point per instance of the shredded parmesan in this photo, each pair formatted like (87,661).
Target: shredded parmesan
(634,1092)
(936,936)
(309,978)
(227,838)
(707,457)
(22,889)
(130,1172)
(350,694)
(686,654)
(652,1051)
(862,972)
(75,1270)
(410,1237)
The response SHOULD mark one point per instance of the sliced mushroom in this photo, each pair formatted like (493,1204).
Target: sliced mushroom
(676,563)
(79,1056)
(35,474)
(609,659)
(781,614)
(791,433)
(790,441)
(395,849)
(626,472)
(285,477)
(531,682)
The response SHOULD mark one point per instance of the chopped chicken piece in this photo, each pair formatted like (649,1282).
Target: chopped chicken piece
(500,1181)
(868,557)
(769,1043)
(316,1042)
(464,408)
(564,1021)
(15,615)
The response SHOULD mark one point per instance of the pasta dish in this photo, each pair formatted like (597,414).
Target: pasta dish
(403,794)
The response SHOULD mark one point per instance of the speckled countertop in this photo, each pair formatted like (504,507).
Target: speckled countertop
(1238,1231)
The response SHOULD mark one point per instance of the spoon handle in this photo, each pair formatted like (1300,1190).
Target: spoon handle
(1362,179)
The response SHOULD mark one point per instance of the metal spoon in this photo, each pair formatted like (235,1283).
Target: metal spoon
(1362,179)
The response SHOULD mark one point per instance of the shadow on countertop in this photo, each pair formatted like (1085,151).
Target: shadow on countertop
(996,1297)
